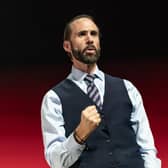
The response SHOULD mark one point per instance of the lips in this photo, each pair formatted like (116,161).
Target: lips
(90,49)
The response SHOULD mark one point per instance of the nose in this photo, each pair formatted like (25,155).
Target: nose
(89,38)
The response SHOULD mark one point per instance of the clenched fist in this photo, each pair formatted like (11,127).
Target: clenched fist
(90,119)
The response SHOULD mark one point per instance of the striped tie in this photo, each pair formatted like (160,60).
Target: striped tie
(92,90)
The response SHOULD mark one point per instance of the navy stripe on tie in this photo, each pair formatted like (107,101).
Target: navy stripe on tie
(92,90)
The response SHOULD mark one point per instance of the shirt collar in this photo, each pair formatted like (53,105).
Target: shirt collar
(79,75)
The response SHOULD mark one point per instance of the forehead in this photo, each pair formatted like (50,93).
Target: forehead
(83,24)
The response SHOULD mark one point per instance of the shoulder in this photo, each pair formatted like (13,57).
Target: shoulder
(127,83)
(58,85)
(114,80)
(130,85)
(63,85)
(133,91)
(108,76)
(51,93)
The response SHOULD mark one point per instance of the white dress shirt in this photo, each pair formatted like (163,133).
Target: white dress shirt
(62,151)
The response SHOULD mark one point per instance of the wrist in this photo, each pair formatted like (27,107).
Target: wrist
(78,139)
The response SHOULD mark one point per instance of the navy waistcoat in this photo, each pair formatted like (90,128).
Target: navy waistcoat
(113,143)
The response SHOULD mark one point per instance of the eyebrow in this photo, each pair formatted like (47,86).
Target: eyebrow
(93,32)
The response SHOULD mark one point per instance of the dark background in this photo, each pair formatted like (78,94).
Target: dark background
(134,46)
(32,31)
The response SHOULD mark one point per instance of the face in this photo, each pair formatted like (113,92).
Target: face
(84,44)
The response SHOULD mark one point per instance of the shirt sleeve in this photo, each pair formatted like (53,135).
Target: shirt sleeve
(60,151)
(142,128)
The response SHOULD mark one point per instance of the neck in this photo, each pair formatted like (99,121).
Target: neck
(88,68)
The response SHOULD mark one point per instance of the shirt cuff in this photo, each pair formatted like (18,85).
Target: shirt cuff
(72,146)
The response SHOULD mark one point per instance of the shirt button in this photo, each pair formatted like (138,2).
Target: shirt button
(86,148)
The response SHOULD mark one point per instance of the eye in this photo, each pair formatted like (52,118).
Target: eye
(94,33)
(82,33)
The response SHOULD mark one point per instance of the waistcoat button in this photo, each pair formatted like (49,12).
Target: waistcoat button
(108,140)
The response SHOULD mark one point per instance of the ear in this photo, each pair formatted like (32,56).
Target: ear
(67,46)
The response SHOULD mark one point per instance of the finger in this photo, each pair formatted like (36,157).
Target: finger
(90,112)
(95,116)
(95,119)
(91,107)
(98,121)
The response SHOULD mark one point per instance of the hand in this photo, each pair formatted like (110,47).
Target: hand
(90,119)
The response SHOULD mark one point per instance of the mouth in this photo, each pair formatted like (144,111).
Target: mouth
(90,50)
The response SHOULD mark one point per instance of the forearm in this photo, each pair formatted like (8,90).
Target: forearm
(64,154)
(60,151)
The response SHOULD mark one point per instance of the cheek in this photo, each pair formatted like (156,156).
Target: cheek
(98,45)
(76,44)
(80,46)
(97,42)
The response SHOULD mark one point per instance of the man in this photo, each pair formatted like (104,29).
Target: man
(91,119)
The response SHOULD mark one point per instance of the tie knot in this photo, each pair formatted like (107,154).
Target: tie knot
(89,79)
